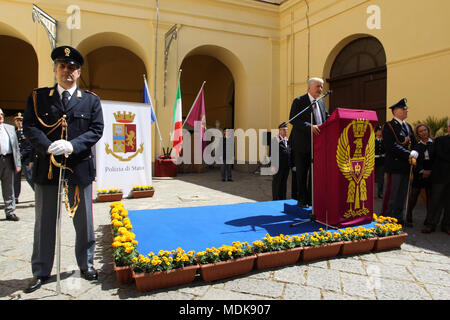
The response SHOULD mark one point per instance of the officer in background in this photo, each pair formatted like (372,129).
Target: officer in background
(26,157)
(63,123)
(399,141)
(379,161)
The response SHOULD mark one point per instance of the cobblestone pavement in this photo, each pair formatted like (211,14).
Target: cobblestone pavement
(420,270)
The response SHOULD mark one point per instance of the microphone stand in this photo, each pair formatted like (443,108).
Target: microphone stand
(312,217)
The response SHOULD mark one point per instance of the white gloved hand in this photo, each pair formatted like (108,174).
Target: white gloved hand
(60,147)
(414,154)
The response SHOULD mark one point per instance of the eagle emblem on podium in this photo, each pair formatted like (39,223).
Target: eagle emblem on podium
(356,167)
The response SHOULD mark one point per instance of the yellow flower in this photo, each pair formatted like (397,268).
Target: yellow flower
(129,249)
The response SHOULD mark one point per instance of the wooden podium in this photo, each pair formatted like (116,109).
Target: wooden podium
(344,163)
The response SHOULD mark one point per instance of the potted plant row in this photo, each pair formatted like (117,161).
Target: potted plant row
(165,269)
(109,195)
(142,191)
(177,267)
(124,243)
(225,261)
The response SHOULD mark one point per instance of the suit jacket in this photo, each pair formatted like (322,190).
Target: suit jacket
(379,153)
(85,127)
(26,151)
(11,131)
(397,153)
(302,124)
(284,154)
(440,157)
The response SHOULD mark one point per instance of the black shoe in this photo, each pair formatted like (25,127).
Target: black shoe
(230,179)
(223,180)
(90,274)
(380,196)
(12,217)
(35,284)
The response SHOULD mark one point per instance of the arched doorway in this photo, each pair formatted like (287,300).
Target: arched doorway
(114,73)
(219,89)
(358,77)
(19,75)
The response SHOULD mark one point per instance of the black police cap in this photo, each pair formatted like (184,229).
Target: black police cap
(67,54)
(400,104)
(282,125)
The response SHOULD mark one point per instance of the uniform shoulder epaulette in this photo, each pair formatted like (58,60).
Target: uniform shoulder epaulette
(91,92)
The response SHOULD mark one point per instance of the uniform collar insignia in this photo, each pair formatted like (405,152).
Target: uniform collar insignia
(79,94)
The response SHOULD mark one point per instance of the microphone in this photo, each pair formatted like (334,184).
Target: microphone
(328,92)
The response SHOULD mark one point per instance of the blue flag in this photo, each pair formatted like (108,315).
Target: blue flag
(148,100)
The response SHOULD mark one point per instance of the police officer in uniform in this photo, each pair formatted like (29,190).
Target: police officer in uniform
(26,157)
(399,141)
(63,123)
(379,161)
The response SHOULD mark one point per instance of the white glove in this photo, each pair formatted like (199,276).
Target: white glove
(414,154)
(60,147)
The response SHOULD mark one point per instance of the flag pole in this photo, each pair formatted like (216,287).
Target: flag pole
(195,101)
(156,119)
(171,121)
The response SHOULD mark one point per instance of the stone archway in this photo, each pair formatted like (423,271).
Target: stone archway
(19,76)
(358,77)
(114,67)
(218,89)
(114,73)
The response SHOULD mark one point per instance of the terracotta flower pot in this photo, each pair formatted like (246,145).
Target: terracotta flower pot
(123,274)
(109,197)
(164,279)
(142,193)
(359,246)
(277,258)
(320,252)
(390,242)
(226,269)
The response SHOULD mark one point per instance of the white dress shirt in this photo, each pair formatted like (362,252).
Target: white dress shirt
(316,109)
(5,145)
(61,90)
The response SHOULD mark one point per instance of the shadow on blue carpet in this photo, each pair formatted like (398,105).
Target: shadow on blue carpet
(198,228)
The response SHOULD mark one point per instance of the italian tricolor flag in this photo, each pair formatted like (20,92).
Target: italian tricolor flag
(177,121)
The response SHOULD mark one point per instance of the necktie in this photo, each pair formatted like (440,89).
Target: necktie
(65,98)
(317,113)
(405,128)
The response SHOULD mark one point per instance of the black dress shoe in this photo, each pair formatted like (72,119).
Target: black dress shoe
(90,274)
(35,284)
(12,217)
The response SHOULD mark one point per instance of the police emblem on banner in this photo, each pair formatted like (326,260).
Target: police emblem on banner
(124,133)
(356,160)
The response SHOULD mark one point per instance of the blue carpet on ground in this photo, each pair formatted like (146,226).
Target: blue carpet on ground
(198,228)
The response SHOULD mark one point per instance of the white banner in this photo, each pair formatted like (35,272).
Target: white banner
(124,153)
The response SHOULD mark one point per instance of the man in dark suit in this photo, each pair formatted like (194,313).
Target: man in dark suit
(399,142)
(301,129)
(63,123)
(440,179)
(26,156)
(279,179)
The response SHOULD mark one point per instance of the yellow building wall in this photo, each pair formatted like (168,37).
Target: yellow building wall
(270,50)
(414,36)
